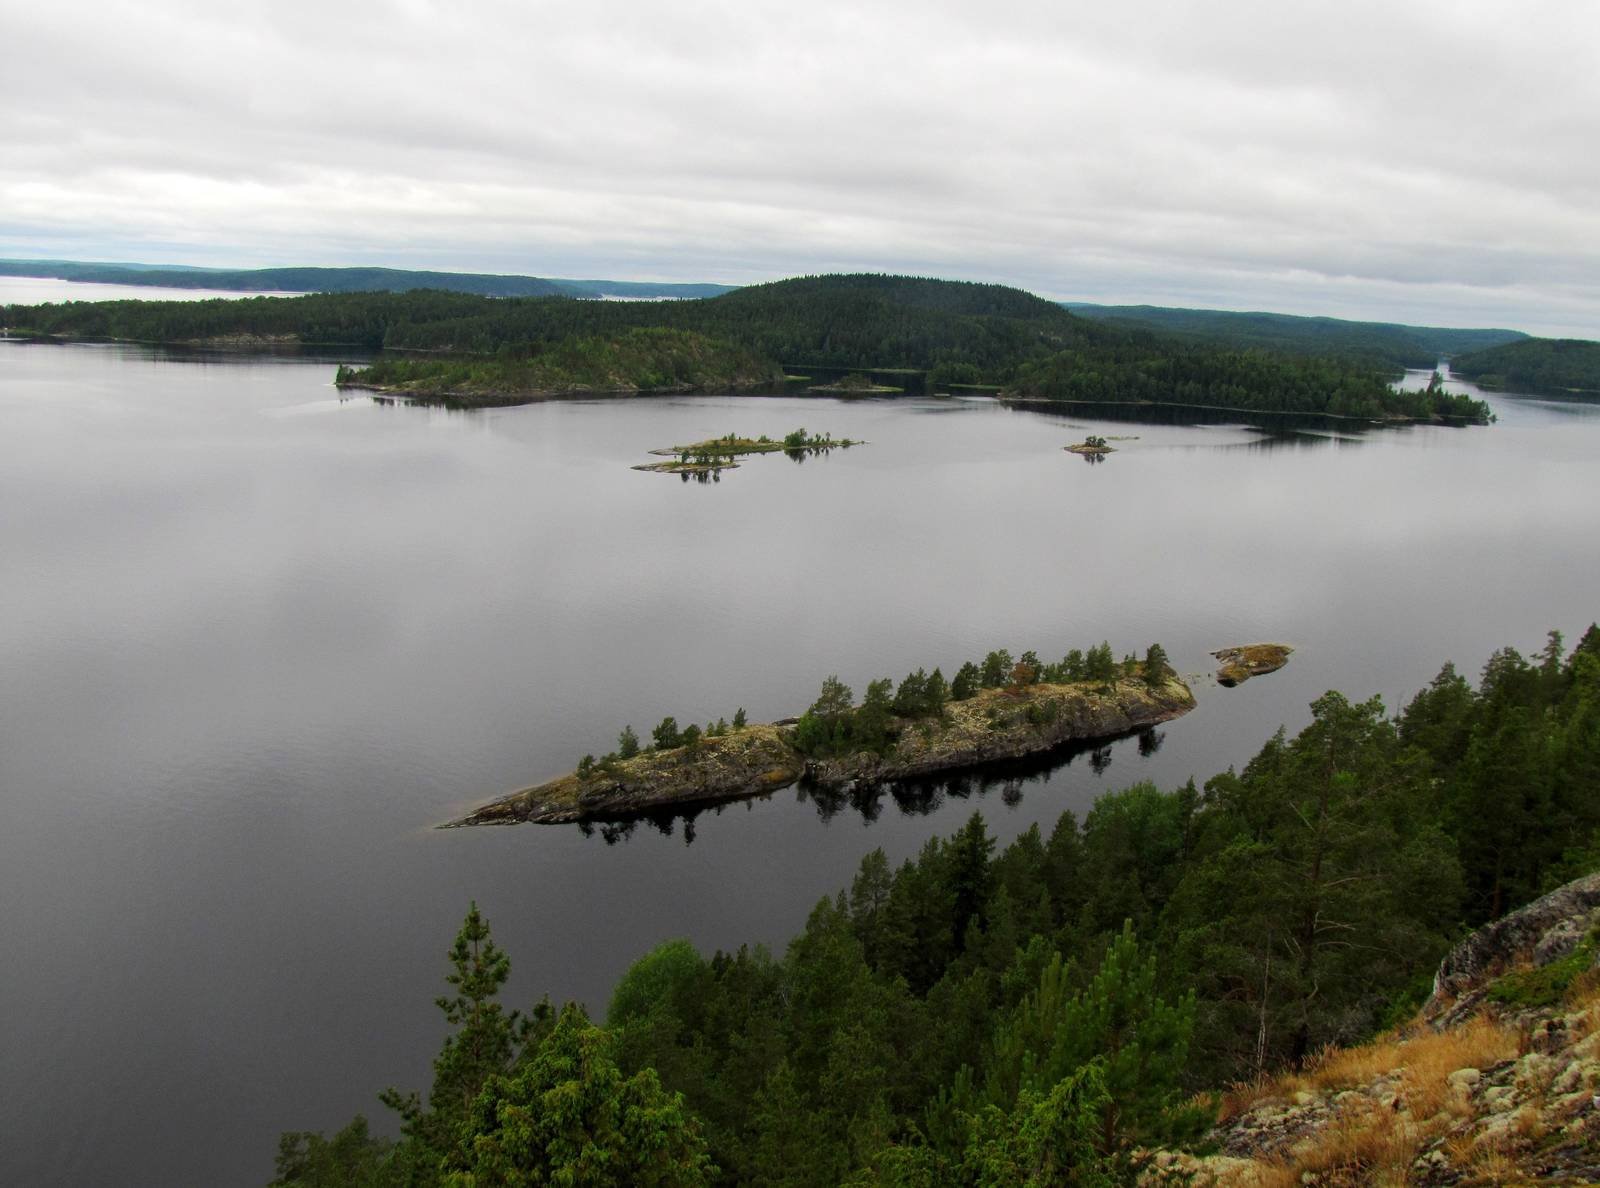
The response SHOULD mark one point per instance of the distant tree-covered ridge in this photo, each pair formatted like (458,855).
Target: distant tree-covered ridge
(1037,1014)
(1536,365)
(954,331)
(1379,344)
(346,280)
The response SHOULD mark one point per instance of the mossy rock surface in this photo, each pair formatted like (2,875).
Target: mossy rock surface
(1237,665)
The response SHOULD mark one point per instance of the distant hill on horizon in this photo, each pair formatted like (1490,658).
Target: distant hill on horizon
(951,333)
(310,279)
(1378,343)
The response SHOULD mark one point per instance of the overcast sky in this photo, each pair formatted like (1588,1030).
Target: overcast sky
(1418,160)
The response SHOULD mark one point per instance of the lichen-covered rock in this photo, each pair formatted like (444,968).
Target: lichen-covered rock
(1544,931)
(745,763)
(1237,665)
(1000,724)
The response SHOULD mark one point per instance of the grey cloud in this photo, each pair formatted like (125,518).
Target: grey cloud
(1413,154)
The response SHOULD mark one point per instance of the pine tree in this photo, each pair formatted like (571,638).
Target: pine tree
(1156,666)
(967,681)
(486,1041)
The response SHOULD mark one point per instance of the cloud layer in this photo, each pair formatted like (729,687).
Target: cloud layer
(1415,159)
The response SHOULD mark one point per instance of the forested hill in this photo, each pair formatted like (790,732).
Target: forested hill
(954,331)
(1376,343)
(346,280)
(1039,1013)
(960,329)
(1548,365)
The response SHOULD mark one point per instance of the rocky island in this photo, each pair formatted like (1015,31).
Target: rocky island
(1237,665)
(836,745)
(1091,446)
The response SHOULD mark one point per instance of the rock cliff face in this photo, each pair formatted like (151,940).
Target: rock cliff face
(995,724)
(1544,932)
(1497,1080)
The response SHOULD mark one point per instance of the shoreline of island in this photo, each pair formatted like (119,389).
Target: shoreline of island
(993,725)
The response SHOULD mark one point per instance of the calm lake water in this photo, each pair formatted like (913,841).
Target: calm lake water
(256,640)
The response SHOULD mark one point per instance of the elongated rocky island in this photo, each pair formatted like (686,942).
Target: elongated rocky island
(1017,719)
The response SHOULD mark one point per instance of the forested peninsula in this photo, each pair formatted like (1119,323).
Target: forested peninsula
(1003,709)
(1077,1005)
(950,332)
(1548,366)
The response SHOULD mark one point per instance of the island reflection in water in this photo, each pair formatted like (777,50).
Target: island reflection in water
(914,798)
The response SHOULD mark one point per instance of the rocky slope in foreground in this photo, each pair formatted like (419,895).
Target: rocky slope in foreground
(995,724)
(1496,1082)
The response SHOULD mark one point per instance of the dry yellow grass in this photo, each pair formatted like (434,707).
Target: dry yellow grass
(1370,1141)
(1364,1144)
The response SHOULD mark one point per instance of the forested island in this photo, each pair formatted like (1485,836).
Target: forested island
(1073,1007)
(956,333)
(855,385)
(999,709)
(646,359)
(1550,366)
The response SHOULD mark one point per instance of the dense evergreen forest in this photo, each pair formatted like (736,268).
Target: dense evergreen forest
(1160,372)
(1038,1014)
(345,280)
(647,359)
(1382,345)
(1549,365)
(957,332)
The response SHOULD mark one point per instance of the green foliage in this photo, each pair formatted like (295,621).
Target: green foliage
(986,1015)
(968,680)
(1156,666)
(667,734)
(1145,369)
(568,1116)
(627,743)
(739,719)
(667,971)
(483,348)
(352,1158)
(1547,365)
(487,1041)
(1050,1137)
(997,668)
(645,358)
(1546,985)
(1099,664)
